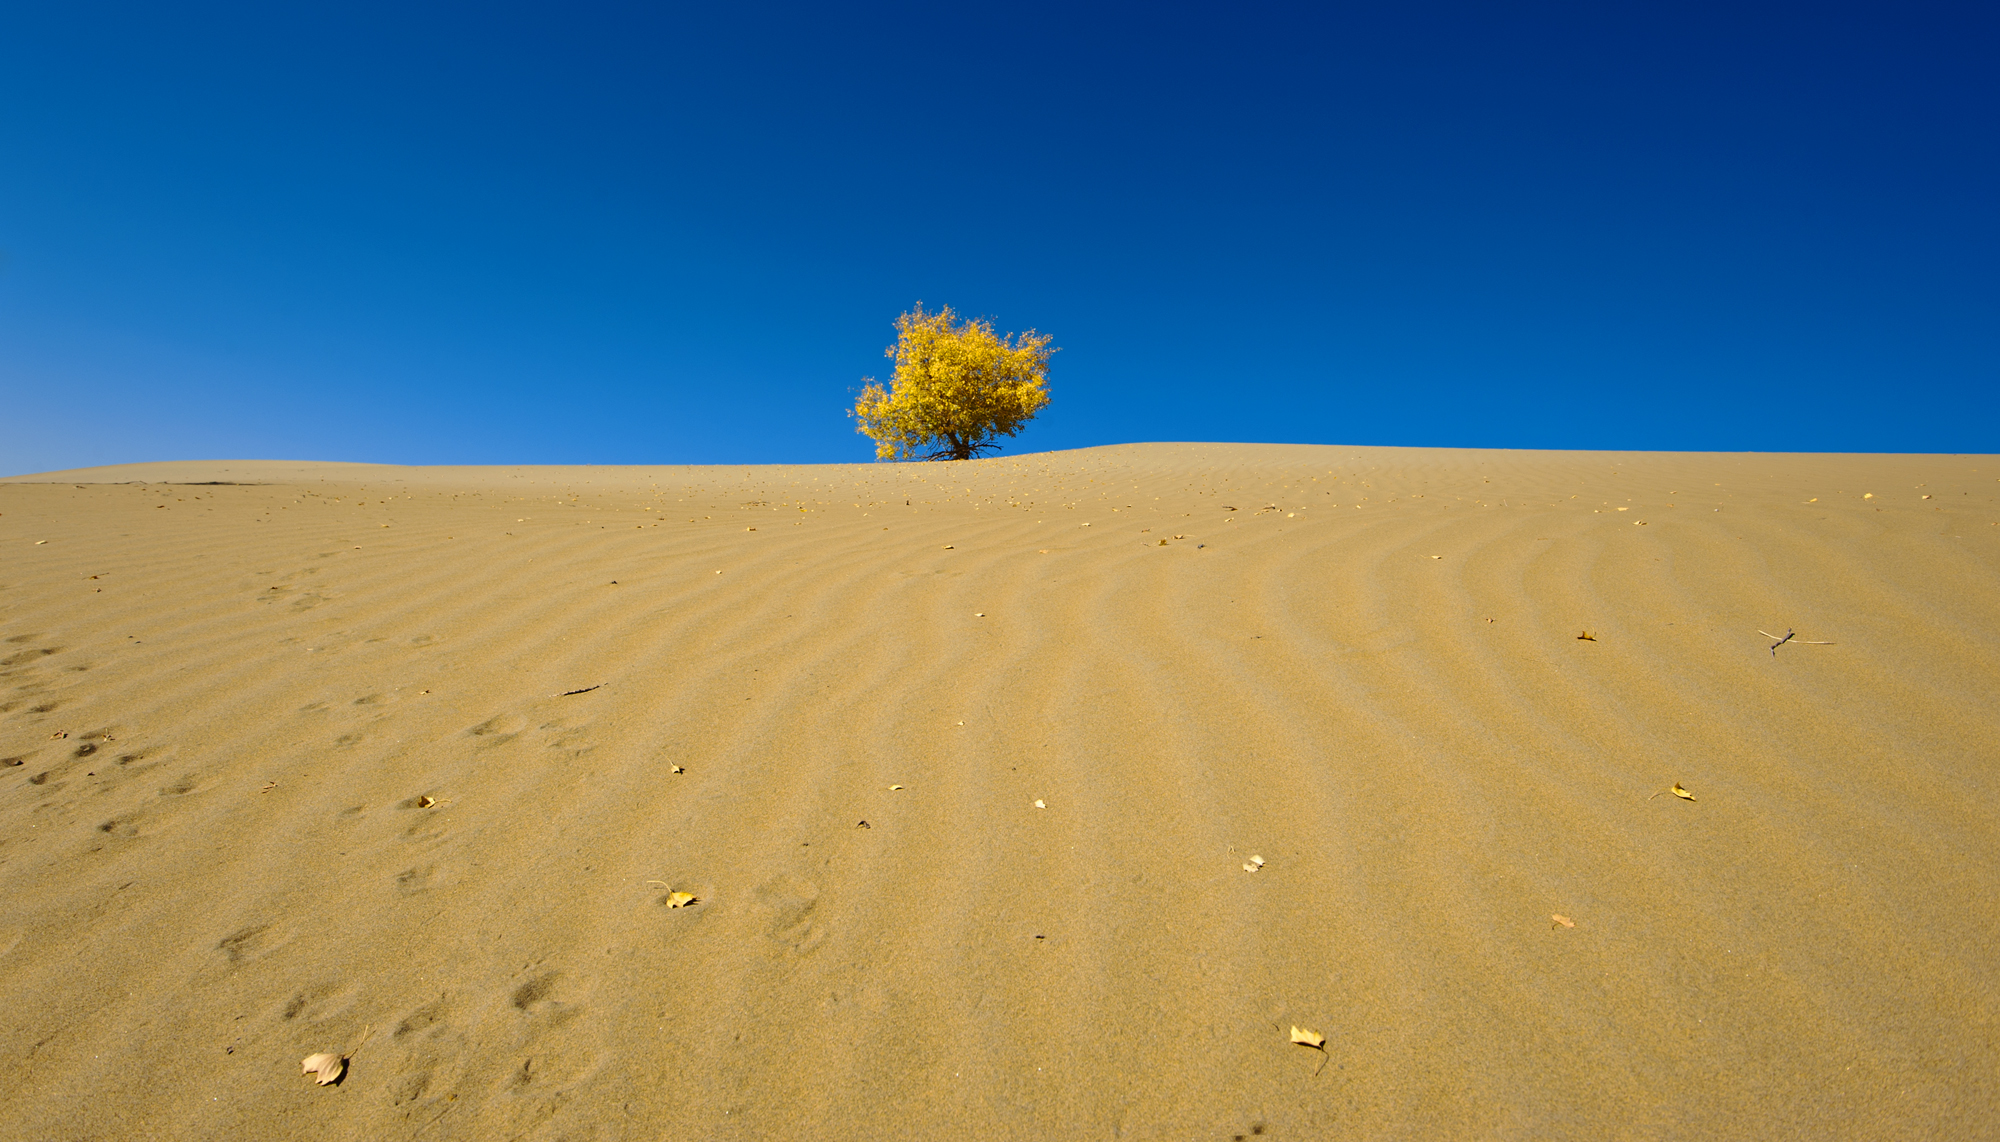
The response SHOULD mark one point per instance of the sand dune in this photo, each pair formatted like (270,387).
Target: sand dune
(405,762)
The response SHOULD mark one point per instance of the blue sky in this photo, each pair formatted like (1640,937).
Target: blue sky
(490,233)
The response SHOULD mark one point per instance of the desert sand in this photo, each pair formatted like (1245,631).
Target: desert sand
(962,766)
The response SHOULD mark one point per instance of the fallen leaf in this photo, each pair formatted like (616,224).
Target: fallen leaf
(1563,920)
(426,802)
(1586,636)
(680,899)
(327,1066)
(1258,861)
(1041,804)
(1163,543)
(863,825)
(893,788)
(1681,793)
(678,769)
(1305,1038)
(949,546)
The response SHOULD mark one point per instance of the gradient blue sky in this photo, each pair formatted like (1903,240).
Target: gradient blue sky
(492,233)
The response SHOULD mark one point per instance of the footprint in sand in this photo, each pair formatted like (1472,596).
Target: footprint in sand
(23,657)
(429,1018)
(246,942)
(788,903)
(499,728)
(312,1002)
(423,1032)
(412,881)
(548,1058)
(124,825)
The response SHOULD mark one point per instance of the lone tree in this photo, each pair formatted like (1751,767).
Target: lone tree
(956,388)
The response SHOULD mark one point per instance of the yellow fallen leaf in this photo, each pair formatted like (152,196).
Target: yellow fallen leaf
(1305,1038)
(1586,636)
(326,1065)
(426,802)
(680,899)
(1039,804)
(1679,792)
(678,769)
(1562,919)
(893,788)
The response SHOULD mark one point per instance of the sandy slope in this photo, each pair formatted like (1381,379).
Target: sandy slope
(223,707)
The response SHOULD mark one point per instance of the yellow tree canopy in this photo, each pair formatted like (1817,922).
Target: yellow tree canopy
(957,387)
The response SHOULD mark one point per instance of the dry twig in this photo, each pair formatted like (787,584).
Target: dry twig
(1788,636)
